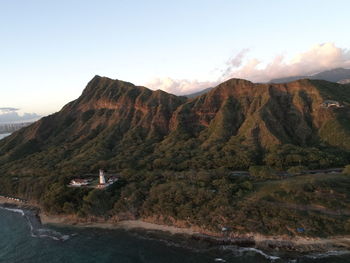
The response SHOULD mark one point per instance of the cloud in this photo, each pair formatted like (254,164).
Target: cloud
(7,110)
(179,87)
(235,62)
(10,115)
(318,58)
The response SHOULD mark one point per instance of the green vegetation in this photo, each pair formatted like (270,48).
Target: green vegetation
(263,172)
(176,156)
(211,199)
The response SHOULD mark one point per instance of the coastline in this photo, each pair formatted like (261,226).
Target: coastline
(254,240)
(123,224)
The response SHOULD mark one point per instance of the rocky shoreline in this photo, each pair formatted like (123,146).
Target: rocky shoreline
(280,243)
(249,240)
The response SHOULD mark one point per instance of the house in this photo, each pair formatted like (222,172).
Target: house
(331,103)
(112,179)
(79,182)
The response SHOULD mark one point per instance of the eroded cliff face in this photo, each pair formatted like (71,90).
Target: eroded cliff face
(268,114)
(105,104)
(113,118)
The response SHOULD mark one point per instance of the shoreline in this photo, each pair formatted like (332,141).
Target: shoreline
(253,240)
(123,224)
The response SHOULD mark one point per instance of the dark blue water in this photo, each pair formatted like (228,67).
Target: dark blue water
(20,243)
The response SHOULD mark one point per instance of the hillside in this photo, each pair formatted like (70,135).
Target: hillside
(117,125)
(174,157)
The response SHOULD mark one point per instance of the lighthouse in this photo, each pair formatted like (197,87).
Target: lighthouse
(102,177)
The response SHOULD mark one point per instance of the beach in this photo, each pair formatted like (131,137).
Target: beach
(282,242)
(124,224)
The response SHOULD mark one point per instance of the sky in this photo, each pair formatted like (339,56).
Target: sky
(49,50)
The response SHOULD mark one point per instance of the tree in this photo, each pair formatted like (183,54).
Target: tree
(263,172)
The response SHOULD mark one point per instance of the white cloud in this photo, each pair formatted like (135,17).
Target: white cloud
(10,115)
(235,62)
(318,58)
(179,87)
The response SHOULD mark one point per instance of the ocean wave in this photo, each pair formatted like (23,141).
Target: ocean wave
(237,251)
(48,233)
(15,210)
(240,251)
(34,224)
(219,260)
(260,252)
(332,253)
(167,242)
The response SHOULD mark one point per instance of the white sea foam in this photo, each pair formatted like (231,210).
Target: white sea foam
(15,210)
(35,226)
(239,251)
(332,253)
(258,251)
(48,233)
(219,260)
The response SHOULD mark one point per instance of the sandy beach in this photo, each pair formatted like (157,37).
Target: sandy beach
(284,242)
(125,224)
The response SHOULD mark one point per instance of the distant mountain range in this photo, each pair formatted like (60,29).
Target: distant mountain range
(339,75)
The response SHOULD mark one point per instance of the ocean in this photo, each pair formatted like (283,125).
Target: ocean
(21,240)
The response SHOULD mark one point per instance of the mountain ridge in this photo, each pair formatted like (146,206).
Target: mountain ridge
(237,124)
(339,75)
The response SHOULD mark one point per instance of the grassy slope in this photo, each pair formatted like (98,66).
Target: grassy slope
(318,203)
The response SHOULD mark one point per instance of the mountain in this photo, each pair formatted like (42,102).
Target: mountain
(340,75)
(176,159)
(117,125)
(196,94)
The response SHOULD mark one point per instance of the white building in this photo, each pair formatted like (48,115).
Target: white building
(102,177)
(331,103)
(103,182)
(79,182)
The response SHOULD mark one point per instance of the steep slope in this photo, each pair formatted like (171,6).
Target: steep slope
(268,114)
(101,123)
(117,125)
(238,121)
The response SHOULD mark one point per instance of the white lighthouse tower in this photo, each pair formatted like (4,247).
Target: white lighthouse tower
(102,177)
